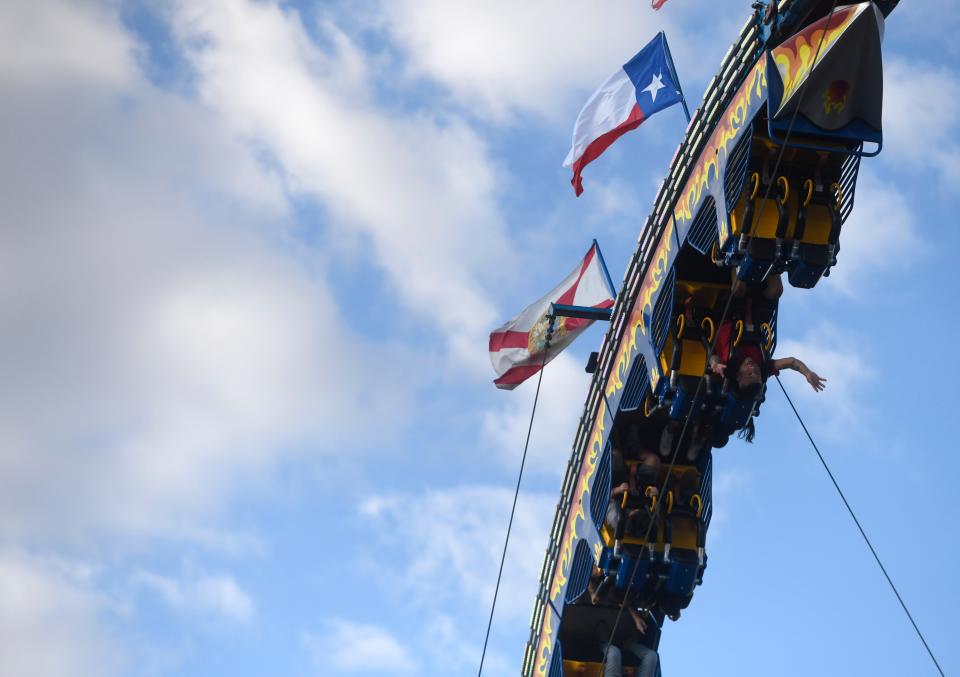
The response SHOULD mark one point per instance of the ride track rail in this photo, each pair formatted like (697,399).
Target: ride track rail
(736,65)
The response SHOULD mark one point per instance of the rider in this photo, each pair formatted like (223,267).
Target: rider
(627,644)
(746,365)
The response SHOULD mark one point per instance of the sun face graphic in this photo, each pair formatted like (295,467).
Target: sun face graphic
(835,96)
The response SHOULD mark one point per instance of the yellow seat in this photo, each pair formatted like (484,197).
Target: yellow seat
(819,222)
(582,669)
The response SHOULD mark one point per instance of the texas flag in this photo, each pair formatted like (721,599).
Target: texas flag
(517,348)
(643,86)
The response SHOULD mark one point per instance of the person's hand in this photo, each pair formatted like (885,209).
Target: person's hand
(718,368)
(651,491)
(623,488)
(816,382)
(639,622)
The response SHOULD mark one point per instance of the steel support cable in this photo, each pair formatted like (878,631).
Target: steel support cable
(797,414)
(863,533)
(516,494)
(723,317)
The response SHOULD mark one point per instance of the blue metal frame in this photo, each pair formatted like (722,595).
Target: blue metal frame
(603,265)
(676,78)
(809,146)
(583,312)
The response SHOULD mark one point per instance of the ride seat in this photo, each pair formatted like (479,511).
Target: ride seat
(761,223)
(816,240)
(582,669)
(683,574)
(684,555)
(588,669)
(688,349)
(684,402)
(609,538)
(633,567)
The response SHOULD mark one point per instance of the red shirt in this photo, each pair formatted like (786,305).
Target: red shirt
(741,352)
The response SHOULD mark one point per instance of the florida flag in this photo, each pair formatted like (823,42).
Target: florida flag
(517,348)
(643,86)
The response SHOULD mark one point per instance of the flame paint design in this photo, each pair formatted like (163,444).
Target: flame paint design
(794,58)
(628,344)
(707,169)
(587,470)
(651,281)
(583,483)
(544,644)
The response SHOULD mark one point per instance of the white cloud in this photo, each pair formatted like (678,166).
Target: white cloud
(174,338)
(840,358)
(559,408)
(50,622)
(52,39)
(445,546)
(503,55)
(921,107)
(418,188)
(880,237)
(212,597)
(170,343)
(345,646)
(448,544)
(913,23)
(617,199)
(501,58)
(728,487)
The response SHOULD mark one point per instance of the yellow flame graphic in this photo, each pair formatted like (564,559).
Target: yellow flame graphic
(583,483)
(708,167)
(794,58)
(655,274)
(544,644)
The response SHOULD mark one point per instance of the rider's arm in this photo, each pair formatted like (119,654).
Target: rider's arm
(816,382)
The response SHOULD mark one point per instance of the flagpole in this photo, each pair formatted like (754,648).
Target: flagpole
(676,78)
(603,265)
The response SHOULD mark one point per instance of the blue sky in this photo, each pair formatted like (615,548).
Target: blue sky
(250,254)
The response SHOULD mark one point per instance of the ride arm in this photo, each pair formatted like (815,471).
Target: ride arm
(816,381)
